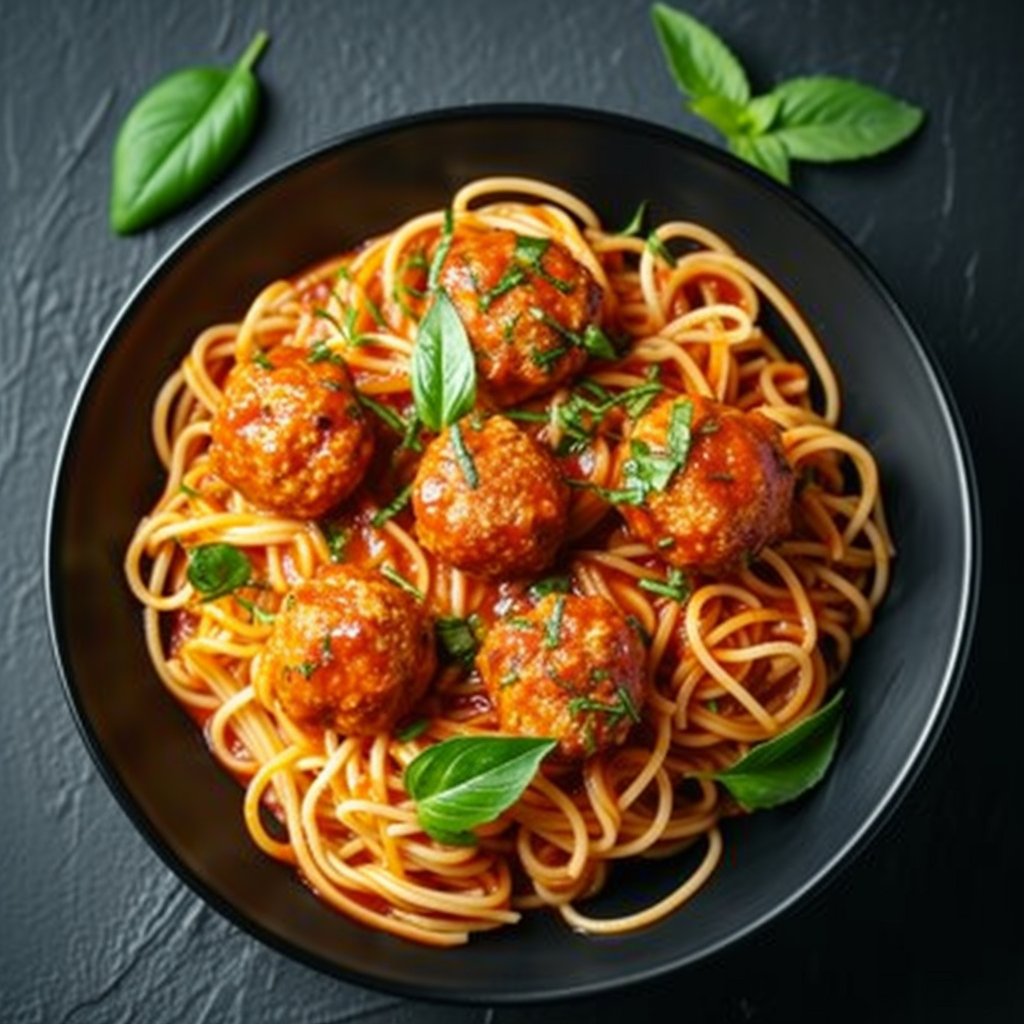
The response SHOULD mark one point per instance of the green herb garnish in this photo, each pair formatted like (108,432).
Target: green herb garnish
(675,586)
(623,706)
(782,768)
(443,372)
(819,119)
(217,569)
(651,469)
(463,456)
(459,638)
(468,781)
(553,627)
(393,507)
(391,573)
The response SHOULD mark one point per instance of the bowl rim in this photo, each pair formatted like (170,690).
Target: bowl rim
(969,523)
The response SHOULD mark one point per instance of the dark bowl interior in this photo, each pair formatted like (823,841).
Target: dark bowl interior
(904,674)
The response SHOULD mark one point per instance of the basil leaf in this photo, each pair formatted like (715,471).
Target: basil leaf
(467,781)
(217,569)
(817,118)
(459,638)
(652,469)
(782,768)
(699,60)
(597,343)
(179,136)
(826,119)
(443,373)
(728,116)
(765,152)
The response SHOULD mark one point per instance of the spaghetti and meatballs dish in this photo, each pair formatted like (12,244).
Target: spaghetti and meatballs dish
(489,548)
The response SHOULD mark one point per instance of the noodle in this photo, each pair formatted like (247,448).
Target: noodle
(734,663)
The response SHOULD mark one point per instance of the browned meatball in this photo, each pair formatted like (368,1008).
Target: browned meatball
(290,434)
(349,651)
(729,494)
(526,304)
(572,669)
(489,499)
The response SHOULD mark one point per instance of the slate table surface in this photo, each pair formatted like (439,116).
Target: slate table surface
(925,925)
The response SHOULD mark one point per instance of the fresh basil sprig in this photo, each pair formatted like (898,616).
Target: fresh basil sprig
(782,768)
(467,781)
(217,569)
(818,118)
(179,136)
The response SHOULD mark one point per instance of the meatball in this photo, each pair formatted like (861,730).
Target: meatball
(489,499)
(290,434)
(572,669)
(350,651)
(526,304)
(729,486)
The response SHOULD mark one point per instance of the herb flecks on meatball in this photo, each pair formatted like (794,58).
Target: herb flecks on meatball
(349,651)
(490,500)
(290,434)
(706,484)
(529,307)
(572,669)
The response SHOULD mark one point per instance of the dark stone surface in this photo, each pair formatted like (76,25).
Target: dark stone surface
(93,927)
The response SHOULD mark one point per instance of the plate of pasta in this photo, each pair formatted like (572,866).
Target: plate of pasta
(514,535)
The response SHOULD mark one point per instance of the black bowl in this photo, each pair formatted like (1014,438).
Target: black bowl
(904,674)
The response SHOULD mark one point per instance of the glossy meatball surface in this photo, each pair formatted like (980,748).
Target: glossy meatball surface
(526,304)
(290,434)
(489,499)
(349,651)
(572,669)
(731,495)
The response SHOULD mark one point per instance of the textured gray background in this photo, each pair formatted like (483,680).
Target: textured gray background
(93,927)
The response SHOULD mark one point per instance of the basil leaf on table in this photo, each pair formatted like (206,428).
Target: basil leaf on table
(765,152)
(442,371)
(828,119)
(783,768)
(699,60)
(179,136)
(467,781)
(814,118)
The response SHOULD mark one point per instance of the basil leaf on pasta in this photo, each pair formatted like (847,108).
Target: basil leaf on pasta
(782,768)
(443,373)
(467,781)
(217,569)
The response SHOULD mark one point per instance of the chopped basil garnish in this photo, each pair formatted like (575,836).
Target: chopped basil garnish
(675,585)
(391,573)
(463,456)
(623,707)
(651,469)
(415,728)
(553,628)
(393,507)
(459,638)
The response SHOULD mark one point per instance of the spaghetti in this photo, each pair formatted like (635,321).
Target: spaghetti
(729,658)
